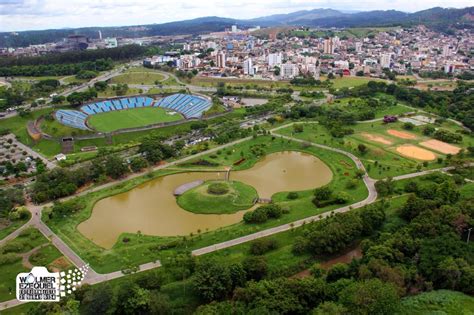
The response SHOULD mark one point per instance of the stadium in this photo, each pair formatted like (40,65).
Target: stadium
(130,112)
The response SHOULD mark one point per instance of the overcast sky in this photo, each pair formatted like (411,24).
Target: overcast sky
(18,15)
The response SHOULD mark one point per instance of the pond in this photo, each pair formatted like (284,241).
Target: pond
(151,207)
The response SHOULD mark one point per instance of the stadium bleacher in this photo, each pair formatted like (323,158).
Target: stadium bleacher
(190,106)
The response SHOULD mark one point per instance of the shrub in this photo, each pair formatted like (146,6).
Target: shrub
(263,213)
(10,258)
(218,189)
(262,246)
(256,267)
(292,195)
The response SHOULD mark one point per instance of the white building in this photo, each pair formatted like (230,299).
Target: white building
(274,59)
(234,29)
(328,46)
(111,42)
(221,59)
(385,61)
(248,67)
(358,47)
(289,70)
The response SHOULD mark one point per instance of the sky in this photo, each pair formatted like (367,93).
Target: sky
(19,15)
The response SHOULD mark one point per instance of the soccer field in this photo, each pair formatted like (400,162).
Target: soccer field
(130,118)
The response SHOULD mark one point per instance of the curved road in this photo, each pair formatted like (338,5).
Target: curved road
(93,277)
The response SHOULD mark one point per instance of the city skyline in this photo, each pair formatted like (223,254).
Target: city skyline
(21,15)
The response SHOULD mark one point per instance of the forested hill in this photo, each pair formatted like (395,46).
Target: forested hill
(440,19)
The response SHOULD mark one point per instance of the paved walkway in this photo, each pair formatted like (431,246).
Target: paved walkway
(93,277)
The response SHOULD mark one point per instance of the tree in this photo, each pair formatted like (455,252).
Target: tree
(298,128)
(98,300)
(330,308)
(115,167)
(255,267)
(138,163)
(322,193)
(212,280)
(370,297)
(385,187)
(362,148)
(132,299)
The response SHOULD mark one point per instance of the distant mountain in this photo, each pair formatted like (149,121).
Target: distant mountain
(295,17)
(437,18)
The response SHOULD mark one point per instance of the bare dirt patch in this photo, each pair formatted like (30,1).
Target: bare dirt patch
(401,134)
(376,138)
(60,264)
(440,146)
(415,152)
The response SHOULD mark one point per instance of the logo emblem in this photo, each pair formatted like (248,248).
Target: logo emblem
(40,285)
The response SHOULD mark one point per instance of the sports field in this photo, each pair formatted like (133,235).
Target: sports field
(120,119)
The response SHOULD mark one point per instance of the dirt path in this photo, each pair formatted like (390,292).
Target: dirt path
(25,257)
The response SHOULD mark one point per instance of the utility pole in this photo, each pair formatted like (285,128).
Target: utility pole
(468,234)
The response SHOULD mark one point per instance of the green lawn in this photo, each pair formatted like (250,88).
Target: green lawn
(147,78)
(238,197)
(438,302)
(143,248)
(380,160)
(56,129)
(27,240)
(4,232)
(115,120)
(45,256)
(351,81)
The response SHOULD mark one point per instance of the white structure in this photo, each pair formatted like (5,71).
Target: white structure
(328,46)
(187,47)
(358,47)
(274,59)
(446,51)
(289,70)
(111,42)
(248,67)
(385,61)
(234,29)
(221,60)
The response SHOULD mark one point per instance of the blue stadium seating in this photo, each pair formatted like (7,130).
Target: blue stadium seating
(190,106)
(72,118)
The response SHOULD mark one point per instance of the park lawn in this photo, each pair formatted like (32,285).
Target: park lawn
(380,160)
(144,248)
(13,226)
(17,126)
(146,78)
(45,255)
(212,82)
(281,261)
(198,200)
(138,117)
(58,130)
(109,92)
(26,241)
(398,109)
(349,81)
(438,302)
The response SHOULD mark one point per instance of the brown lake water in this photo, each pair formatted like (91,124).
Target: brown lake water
(151,207)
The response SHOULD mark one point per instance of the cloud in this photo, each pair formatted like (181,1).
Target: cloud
(16,15)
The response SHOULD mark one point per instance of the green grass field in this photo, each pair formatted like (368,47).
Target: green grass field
(137,78)
(380,160)
(198,200)
(107,122)
(140,249)
(438,302)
